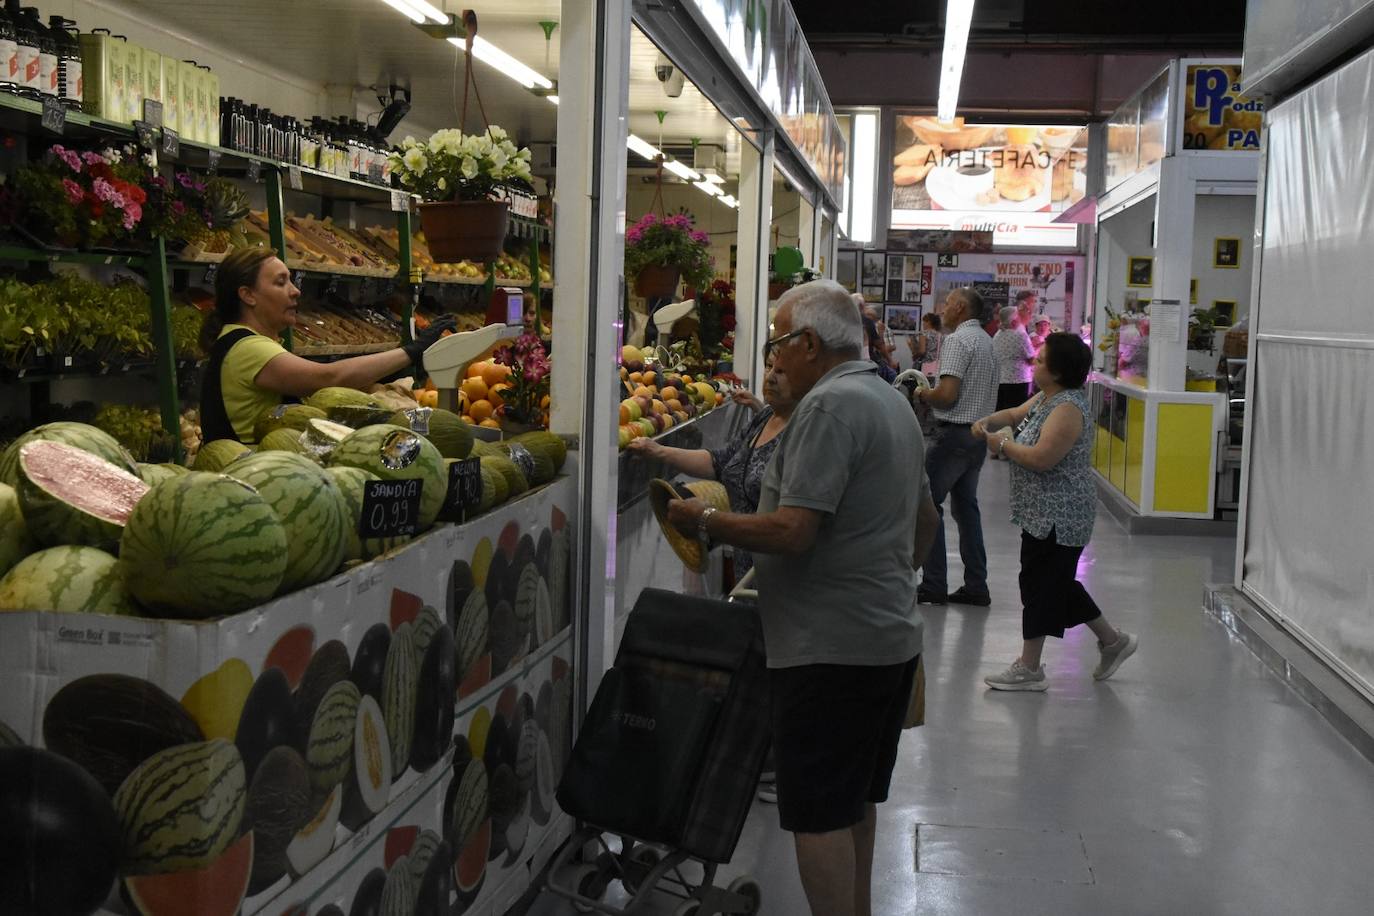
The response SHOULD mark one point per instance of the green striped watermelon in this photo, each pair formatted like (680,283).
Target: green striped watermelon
(96,441)
(182,807)
(80,580)
(215,456)
(311,509)
(329,752)
(400,892)
(203,545)
(69,496)
(156,473)
(393,453)
(15,543)
(398,696)
(350,483)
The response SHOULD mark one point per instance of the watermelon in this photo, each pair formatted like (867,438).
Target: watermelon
(401,892)
(515,481)
(398,696)
(311,509)
(285,416)
(356,416)
(327,398)
(473,632)
(282,440)
(156,473)
(203,545)
(350,483)
(69,496)
(329,751)
(450,435)
(217,889)
(15,543)
(78,580)
(88,438)
(182,807)
(469,803)
(217,455)
(398,454)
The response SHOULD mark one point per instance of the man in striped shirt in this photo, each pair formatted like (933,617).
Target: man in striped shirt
(967,392)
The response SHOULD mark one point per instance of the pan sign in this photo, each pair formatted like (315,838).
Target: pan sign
(1215,115)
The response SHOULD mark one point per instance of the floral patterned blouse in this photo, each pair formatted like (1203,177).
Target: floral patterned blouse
(1064,498)
(739,467)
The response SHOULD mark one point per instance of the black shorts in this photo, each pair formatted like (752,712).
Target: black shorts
(835,734)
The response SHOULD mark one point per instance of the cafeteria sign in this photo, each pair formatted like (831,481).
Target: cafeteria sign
(1215,115)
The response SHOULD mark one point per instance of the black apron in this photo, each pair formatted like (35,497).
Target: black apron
(214,417)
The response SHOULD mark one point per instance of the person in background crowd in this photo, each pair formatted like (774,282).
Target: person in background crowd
(835,547)
(1014,359)
(866,351)
(1026,303)
(967,391)
(882,346)
(925,347)
(1042,330)
(1054,501)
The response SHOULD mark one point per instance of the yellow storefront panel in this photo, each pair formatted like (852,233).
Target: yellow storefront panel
(1183,452)
(1101,449)
(1135,448)
(1117,473)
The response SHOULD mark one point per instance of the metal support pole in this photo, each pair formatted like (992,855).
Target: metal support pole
(276,225)
(164,353)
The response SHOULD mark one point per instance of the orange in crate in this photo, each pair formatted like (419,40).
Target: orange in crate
(482,409)
(494,373)
(489,423)
(497,395)
(474,388)
(475,369)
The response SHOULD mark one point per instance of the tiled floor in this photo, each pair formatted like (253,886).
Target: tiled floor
(1193,782)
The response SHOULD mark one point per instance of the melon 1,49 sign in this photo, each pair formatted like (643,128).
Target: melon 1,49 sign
(391,508)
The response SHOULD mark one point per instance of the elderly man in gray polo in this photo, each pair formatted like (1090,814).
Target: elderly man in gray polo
(844,519)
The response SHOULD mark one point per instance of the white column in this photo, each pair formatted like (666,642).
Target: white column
(751,263)
(588,266)
(1174,210)
(806,229)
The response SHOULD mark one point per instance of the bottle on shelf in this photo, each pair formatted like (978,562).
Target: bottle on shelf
(47,55)
(133,81)
(9,54)
(70,82)
(27,42)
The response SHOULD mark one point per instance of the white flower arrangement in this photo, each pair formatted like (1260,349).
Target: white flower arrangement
(452,165)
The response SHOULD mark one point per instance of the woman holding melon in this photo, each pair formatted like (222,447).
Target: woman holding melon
(248,372)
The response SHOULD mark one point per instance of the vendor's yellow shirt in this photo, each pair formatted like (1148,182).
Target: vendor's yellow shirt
(244,399)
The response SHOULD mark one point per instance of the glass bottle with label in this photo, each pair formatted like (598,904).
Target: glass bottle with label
(26,58)
(70,79)
(9,54)
(47,55)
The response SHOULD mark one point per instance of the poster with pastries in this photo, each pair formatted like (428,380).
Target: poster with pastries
(1215,114)
(988,167)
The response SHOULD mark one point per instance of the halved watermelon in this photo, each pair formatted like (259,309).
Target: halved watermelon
(72,497)
(215,890)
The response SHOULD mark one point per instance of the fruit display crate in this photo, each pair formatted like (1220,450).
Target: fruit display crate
(713,429)
(308,736)
(308,350)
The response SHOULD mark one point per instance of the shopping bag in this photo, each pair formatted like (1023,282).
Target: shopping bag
(916,708)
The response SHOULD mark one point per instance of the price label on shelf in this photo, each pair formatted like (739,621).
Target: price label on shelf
(171,143)
(254,170)
(374,173)
(464,489)
(391,508)
(293,177)
(152,112)
(147,139)
(54,116)
(400,201)
(213,165)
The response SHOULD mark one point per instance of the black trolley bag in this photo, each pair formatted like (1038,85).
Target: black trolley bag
(670,753)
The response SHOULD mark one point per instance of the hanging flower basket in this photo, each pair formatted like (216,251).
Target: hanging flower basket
(465,230)
(657,281)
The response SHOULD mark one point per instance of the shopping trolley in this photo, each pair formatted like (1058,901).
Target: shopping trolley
(668,758)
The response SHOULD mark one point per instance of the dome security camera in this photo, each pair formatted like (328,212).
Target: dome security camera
(670,76)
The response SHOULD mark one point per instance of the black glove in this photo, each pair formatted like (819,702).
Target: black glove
(428,337)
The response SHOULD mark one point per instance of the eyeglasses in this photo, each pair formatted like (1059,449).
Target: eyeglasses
(770,345)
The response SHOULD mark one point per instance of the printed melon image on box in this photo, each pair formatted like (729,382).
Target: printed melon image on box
(420,704)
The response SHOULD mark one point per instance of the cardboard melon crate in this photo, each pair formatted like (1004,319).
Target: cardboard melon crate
(251,756)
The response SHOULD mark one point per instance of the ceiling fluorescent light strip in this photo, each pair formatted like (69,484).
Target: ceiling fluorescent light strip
(681,171)
(430,10)
(714,178)
(707,187)
(729,200)
(405,8)
(637,145)
(958,19)
(488,53)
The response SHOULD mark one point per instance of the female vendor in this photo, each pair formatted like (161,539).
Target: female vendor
(249,372)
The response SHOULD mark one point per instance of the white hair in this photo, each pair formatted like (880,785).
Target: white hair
(827,308)
(1007,314)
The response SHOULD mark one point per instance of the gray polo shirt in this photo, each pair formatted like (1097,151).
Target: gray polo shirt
(852,451)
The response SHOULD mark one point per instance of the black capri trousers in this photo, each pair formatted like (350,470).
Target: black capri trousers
(1052,598)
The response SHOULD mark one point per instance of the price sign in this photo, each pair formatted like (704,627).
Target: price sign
(152,112)
(210,273)
(400,201)
(391,508)
(54,115)
(254,170)
(214,161)
(947,260)
(146,138)
(464,489)
(293,177)
(374,173)
(171,143)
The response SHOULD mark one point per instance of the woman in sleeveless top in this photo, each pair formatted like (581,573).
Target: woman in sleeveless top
(1054,500)
(248,372)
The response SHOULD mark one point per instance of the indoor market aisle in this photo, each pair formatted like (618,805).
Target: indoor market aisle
(1191,782)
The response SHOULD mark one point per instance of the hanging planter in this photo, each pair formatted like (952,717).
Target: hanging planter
(465,230)
(657,281)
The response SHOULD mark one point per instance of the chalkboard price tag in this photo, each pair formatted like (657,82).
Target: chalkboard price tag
(464,489)
(947,260)
(146,138)
(171,143)
(374,173)
(54,116)
(210,273)
(213,163)
(400,201)
(293,177)
(391,508)
(254,170)
(152,112)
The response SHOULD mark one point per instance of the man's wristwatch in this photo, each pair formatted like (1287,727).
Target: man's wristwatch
(702,534)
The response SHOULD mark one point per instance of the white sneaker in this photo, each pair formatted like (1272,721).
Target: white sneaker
(1115,654)
(1018,677)
(768,793)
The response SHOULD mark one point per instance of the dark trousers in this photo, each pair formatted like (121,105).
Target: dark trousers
(1052,598)
(952,464)
(1012,395)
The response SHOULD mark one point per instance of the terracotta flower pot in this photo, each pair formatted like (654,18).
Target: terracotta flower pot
(465,230)
(657,281)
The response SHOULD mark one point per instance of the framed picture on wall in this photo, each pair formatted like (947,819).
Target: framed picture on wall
(1226,254)
(895,267)
(873,264)
(1225,310)
(894,289)
(1140,272)
(902,319)
(914,263)
(911,291)
(847,269)
(873,293)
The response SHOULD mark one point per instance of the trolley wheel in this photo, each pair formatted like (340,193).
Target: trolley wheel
(590,882)
(688,908)
(749,889)
(641,861)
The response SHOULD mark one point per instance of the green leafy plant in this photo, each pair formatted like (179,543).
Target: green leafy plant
(452,165)
(672,242)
